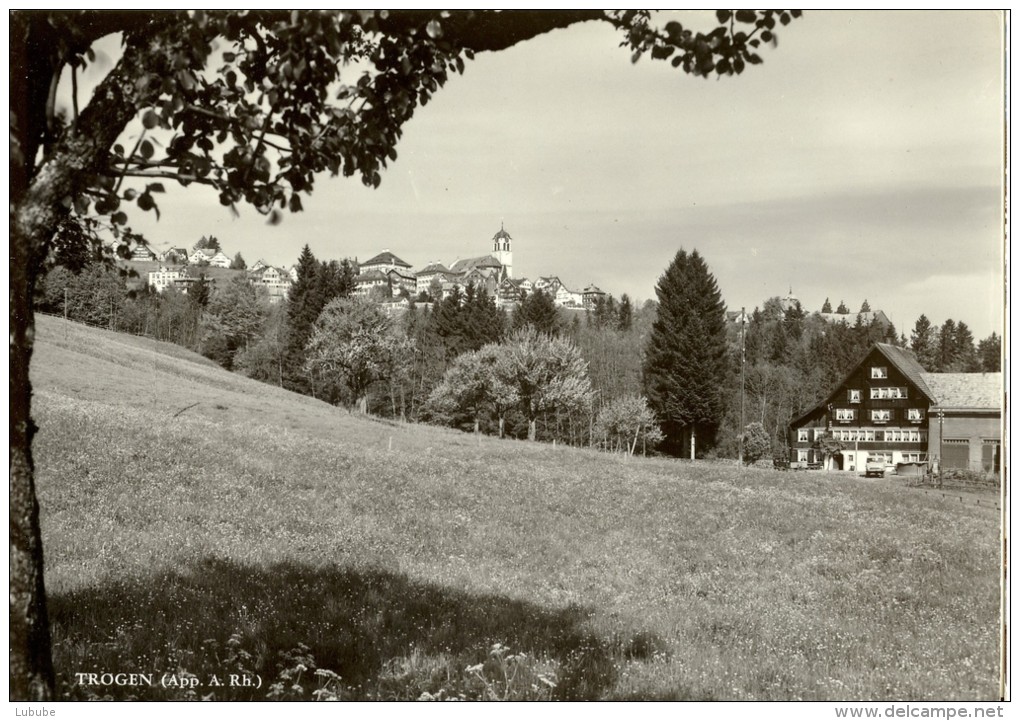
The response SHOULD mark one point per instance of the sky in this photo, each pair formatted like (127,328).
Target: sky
(862,160)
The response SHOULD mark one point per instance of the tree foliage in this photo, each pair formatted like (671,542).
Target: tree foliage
(685,370)
(353,345)
(757,443)
(624,422)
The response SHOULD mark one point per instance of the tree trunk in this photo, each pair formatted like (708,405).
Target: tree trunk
(501,422)
(31,667)
(531,429)
(692,442)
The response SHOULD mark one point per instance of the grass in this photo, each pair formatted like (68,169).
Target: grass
(196,521)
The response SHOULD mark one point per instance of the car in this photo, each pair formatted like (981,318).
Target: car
(874,466)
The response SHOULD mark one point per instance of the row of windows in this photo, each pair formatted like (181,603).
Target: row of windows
(853,395)
(888,435)
(880,415)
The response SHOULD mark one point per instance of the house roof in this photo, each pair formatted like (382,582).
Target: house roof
(966,390)
(434,267)
(501,234)
(482,261)
(386,258)
(370,275)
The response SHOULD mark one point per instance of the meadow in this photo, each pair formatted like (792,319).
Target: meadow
(201,524)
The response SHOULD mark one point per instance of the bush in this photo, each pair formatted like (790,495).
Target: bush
(756,443)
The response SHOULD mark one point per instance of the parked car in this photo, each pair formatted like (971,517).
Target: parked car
(874,466)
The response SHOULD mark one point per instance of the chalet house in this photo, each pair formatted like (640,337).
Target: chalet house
(568,298)
(509,293)
(591,295)
(176,256)
(143,253)
(424,277)
(367,280)
(888,406)
(401,279)
(215,258)
(276,281)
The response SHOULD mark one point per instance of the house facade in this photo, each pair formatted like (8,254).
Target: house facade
(164,278)
(889,407)
(276,281)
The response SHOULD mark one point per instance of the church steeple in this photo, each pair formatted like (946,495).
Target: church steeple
(501,249)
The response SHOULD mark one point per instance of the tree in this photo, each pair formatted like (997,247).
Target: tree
(945,346)
(685,369)
(757,444)
(473,386)
(965,357)
(625,421)
(989,352)
(865,306)
(353,345)
(233,320)
(842,309)
(625,314)
(547,374)
(208,243)
(537,310)
(263,148)
(826,306)
(922,343)
(238,262)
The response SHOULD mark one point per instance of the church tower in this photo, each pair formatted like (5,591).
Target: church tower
(501,250)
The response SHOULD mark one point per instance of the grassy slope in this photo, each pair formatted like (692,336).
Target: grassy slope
(279,520)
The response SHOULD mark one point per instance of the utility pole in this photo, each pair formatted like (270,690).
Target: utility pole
(740,452)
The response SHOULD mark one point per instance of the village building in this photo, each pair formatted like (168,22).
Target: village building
(592,295)
(215,258)
(567,298)
(276,281)
(432,271)
(889,407)
(384,263)
(143,253)
(164,278)
(175,256)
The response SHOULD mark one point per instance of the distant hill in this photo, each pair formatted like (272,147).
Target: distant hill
(194,519)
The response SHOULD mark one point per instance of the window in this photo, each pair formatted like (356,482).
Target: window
(879,372)
(802,455)
(844,414)
(802,436)
(868,436)
(911,457)
(884,392)
(854,395)
(915,415)
(819,432)
(880,415)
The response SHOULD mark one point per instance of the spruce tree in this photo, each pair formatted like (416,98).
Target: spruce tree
(826,306)
(685,369)
(945,347)
(990,354)
(538,310)
(865,306)
(625,315)
(922,343)
(302,310)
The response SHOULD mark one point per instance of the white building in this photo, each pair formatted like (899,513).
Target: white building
(164,278)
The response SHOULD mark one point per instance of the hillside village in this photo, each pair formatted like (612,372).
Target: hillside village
(385,277)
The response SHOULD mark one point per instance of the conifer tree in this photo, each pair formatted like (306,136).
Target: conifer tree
(865,306)
(945,347)
(625,315)
(990,354)
(842,309)
(922,343)
(538,310)
(685,366)
(826,306)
